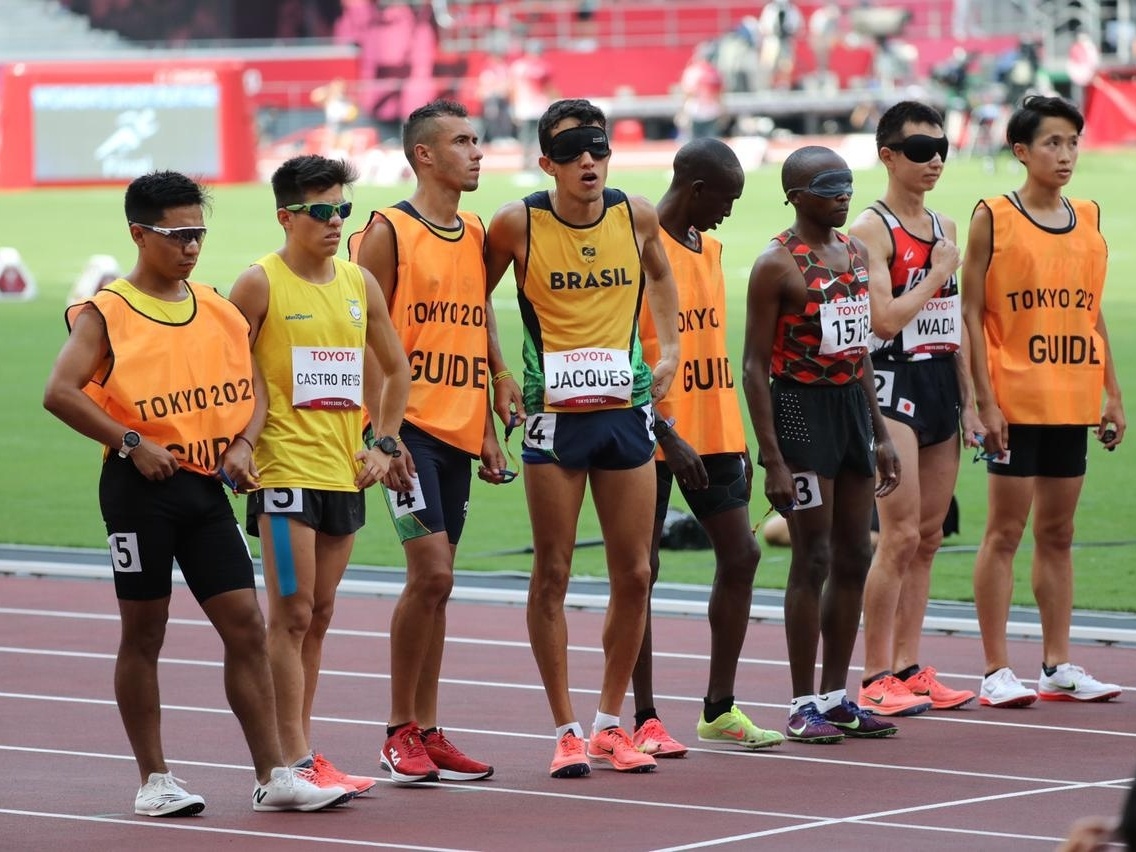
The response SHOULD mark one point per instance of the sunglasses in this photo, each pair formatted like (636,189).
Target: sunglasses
(570,144)
(921,148)
(831,183)
(322,211)
(183,236)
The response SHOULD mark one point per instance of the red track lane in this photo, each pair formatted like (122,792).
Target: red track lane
(971,779)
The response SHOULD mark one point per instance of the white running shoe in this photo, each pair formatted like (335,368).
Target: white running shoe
(1073,683)
(162,796)
(1003,689)
(287,790)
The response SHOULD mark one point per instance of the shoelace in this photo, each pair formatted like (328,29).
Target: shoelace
(439,741)
(411,739)
(323,768)
(571,743)
(168,787)
(812,715)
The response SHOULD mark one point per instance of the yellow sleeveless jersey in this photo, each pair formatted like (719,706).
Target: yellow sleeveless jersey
(438,311)
(185,384)
(580,300)
(1043,297)
(310,350)
(703,399)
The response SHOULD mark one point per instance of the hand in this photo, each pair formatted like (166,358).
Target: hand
(375,464)
(780,490)
(400,475)
(661,377)
(494,467)
(237,469)
(997,434)
(154,461)
(1112,420)
(945,257)
(887,467)
(972,428)
(685,463)
(508,401)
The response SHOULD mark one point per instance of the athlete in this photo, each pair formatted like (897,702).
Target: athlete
(1033,278)
(158,371)
(427,256)
(820,433)
(923,388)
(311,316)
(702,444)
(583,256)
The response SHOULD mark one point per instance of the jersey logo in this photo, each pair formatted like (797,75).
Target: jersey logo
(910,253)
(588,253)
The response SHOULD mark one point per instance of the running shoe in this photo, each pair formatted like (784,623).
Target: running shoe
(571,759)
(289,790)
(735,727)
(405,758)
(652,738)
(1003,689)
(324,769)
(854,721)
(1073,683)
(889,696)
(452,764)
(614,746)
(924,684)
(163,796)
(808,726)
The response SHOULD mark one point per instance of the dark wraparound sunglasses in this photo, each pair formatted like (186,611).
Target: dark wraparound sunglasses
(322,210)
(922,149)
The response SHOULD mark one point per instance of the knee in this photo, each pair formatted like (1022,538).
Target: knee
(808,571)
(144,639)
(632,582)
(321,618)
(294,617)
(431,586)
(930,540)
(547,589)
(1054,534)
(901,541)
(738,566)
(1004,538)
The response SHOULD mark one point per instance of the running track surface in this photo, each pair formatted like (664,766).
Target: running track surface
(972,779)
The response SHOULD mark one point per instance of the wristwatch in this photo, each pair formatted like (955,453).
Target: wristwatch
(130,441)
(389,445)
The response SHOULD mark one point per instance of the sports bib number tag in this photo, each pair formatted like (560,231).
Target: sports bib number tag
(936,328)
(405,503)
(845,325)
(283,501)
(328,377)
(587,376)
(808,490)
(885,387)
(124,553)
(540,431)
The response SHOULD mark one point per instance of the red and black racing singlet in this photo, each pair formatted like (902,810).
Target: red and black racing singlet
(826,343)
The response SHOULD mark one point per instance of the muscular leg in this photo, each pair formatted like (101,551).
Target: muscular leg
(736,555)
(1055,501)
(642,677)
(938,471)
(248,677)
(415,631)
(136,680)
(899,540)
(1008,506)
(554,495)
(332,553)
(844,590)
(810,532)
(625,502)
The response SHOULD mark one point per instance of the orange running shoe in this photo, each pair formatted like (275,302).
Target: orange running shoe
(452,764)
(325,770)
(923,684)
(652,738)
(888,696)
(614,746)
(570,760)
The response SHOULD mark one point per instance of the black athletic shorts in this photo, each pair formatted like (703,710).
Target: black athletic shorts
(923,395)
(727,490)
(1057,451)
(329,512)
(824,428)
(186,517)
(439,499)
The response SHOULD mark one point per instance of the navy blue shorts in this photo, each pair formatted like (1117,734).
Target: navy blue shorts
(439,499)
(186,517)
(611,439)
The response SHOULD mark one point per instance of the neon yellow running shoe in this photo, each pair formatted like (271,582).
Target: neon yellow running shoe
(735,727)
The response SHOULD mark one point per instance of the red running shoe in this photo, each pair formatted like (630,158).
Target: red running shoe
(405,758)
(452,764)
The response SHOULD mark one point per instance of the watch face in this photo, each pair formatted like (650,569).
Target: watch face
(132,439)
(388,445)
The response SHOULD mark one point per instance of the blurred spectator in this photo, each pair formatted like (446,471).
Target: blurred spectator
(493,88)
(338,112)
(824,34)
(701,111)
(1084,62)
(736,56)
(779,24)
(532,93)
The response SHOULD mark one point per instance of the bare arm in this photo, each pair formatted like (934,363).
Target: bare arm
(1113,411)
(505,242)
(662,294)
(385,399)
(979,250)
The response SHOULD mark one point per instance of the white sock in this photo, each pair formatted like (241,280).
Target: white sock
(604,721)
(574,727)
(800,701)
(832,699)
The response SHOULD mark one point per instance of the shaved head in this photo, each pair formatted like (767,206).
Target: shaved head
(802,165)
(707,159)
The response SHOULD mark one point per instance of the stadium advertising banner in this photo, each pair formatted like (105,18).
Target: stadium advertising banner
(87,122)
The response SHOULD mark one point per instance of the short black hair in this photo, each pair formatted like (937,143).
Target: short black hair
(419,124)
(1024,123)
(149,196)
(706,158)
(300,176)
(579,108)
(889,129)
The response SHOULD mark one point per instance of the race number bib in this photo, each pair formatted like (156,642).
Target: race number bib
(540,431)
(845,325)
(808,494)
(588,376)
(405,503)
(124,553)
(283,501)
(327,377)
(936,328)
(885,387)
